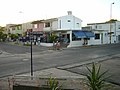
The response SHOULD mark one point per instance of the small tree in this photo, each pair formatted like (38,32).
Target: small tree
(14,36)
(4,36)
(96,78)
(53,38)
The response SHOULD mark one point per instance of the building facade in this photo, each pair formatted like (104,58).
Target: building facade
(106,32)
(69,22)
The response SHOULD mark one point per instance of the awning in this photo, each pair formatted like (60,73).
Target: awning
(89,34)
(83,34)
(79,34)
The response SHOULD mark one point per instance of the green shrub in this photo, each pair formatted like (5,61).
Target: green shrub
(53,84)
(27,44)
(96,78)
(53,38)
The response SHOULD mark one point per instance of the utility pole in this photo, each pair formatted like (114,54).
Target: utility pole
(111,21)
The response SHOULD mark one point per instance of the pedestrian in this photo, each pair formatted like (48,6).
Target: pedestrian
(39,39)
(58,45)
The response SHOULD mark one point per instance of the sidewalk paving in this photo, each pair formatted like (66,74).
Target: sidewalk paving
(54,72)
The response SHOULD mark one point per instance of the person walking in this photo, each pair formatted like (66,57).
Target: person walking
(58,45)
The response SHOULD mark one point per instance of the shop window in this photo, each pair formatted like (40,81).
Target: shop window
(97,36)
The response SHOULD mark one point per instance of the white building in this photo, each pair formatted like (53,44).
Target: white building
(69,22)
(106,32)
(69,27)
(64,27)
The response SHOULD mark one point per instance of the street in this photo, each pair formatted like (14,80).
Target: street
(17,59)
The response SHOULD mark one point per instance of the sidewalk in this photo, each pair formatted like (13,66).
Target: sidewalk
(54,72)
(66,79)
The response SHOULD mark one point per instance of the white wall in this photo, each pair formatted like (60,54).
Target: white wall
(117,28)
(63,23)
(54,25)
(75,43)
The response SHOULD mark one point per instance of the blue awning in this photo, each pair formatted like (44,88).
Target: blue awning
(89,34)
(83,34)
(79,34)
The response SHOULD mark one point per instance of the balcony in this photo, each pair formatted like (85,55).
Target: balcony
(47,29)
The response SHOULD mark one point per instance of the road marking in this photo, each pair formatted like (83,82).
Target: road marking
(25,59)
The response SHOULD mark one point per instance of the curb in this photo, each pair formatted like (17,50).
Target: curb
(98,59)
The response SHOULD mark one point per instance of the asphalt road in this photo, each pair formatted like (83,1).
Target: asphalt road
(17,59)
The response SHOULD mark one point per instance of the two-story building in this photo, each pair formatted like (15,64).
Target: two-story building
(106,32)
(16,29)
(37,30)
(50,26)
(65,27)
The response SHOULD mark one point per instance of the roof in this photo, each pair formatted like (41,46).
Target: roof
(110,21)
(51,19)
(38,21)
(16,25)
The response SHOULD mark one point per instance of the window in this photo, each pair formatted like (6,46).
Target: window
(78,24)
(118,26)
(47,24)
(19,28)
(97,36)
(35,25)
(13,28)
(69,21)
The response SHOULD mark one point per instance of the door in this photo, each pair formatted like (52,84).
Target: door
(118,38)
(101,38)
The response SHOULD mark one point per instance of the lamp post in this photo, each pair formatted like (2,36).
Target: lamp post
(110,20)
(31,40)
(111,10)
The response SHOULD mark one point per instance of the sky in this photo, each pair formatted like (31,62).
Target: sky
(89,11)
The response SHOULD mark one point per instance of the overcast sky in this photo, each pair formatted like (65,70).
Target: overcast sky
(89,11)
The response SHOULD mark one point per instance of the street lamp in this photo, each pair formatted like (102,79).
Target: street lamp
(111,10)
(31,40)
(110,20)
